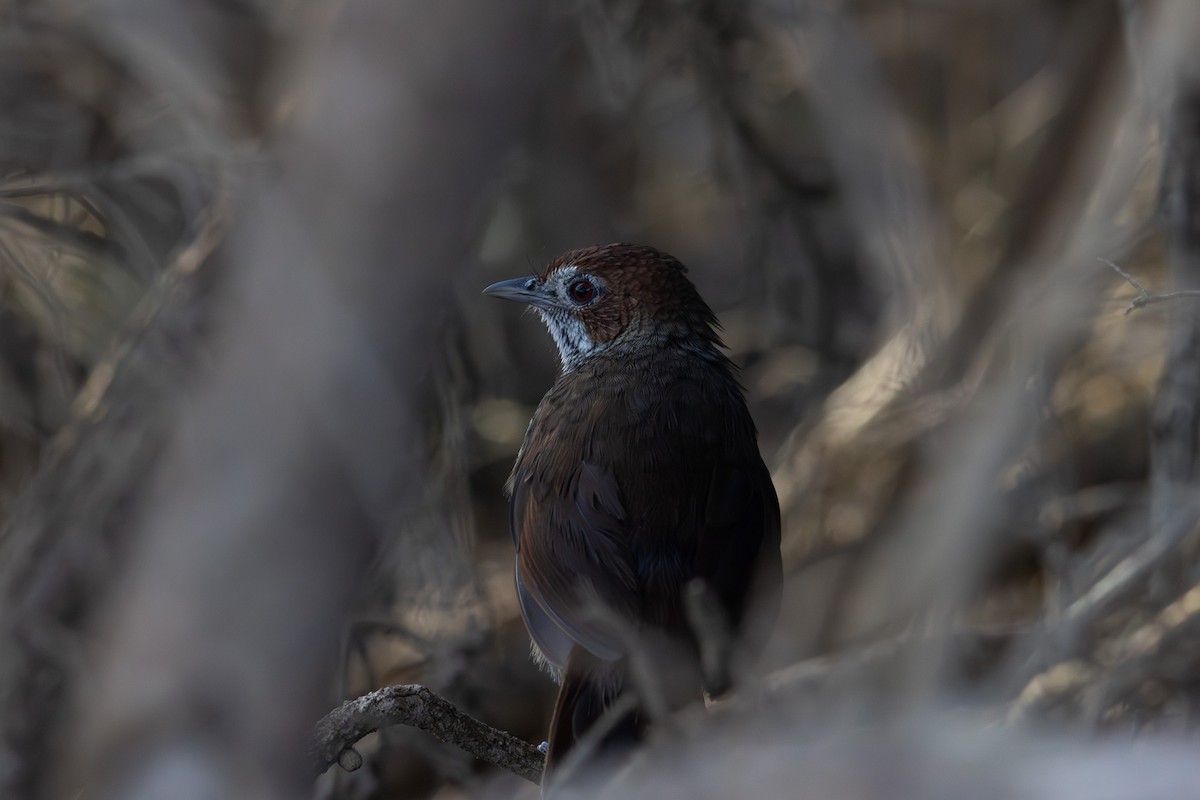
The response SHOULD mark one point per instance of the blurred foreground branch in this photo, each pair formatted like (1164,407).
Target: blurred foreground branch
(217,646)
(71,525)
(1094,673)
(1175,422)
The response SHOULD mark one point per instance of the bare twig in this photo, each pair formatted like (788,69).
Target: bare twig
(422,708)
(1144,297)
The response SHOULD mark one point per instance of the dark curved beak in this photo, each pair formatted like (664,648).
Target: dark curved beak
(522,290)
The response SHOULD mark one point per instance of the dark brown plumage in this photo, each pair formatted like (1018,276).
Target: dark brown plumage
(640,471)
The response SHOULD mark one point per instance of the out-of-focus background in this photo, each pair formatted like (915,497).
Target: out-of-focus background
(255,416)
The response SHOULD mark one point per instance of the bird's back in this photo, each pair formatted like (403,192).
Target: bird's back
(639,472)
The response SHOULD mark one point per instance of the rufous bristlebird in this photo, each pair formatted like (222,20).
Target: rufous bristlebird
(639,473)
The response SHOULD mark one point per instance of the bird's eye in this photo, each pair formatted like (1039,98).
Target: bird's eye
(582,291)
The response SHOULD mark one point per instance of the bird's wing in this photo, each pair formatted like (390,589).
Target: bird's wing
(551,638)
(574,570)
(738,552)
(722,501)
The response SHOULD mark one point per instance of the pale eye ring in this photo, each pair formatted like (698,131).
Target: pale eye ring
(582,290)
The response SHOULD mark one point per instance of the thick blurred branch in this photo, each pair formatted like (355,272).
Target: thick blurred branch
(1174,475)
(1176,417)
(964,373)
(929,757)
(70,527)
(218,646)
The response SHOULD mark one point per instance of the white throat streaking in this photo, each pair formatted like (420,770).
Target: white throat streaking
(569,334)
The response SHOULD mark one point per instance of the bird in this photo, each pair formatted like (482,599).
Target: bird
(639,475)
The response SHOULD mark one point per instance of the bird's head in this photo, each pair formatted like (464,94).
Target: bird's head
(613,298)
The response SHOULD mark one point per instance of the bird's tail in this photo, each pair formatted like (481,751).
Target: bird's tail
(590,688)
